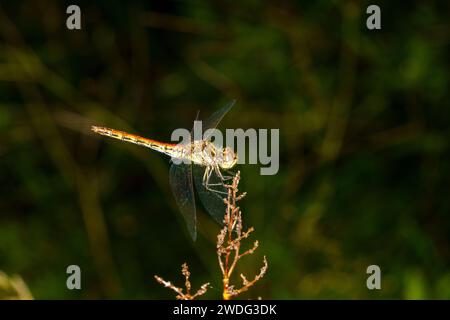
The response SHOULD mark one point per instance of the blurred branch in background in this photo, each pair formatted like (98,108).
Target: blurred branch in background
(13,288)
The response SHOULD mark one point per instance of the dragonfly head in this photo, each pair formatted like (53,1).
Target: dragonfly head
(229,158)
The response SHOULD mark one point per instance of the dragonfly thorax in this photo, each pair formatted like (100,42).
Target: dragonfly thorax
(205,153)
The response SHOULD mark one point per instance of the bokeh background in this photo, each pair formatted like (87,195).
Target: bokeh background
(364,153)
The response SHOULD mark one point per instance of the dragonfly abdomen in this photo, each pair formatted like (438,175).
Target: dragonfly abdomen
(128,137)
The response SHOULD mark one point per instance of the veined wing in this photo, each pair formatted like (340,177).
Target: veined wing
(182,179)
(182,188)
(212,201)
(213,121)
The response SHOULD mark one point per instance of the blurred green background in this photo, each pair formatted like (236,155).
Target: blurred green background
(364,154)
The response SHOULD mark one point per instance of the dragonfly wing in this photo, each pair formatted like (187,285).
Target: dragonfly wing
(213,121)
(181,183)
(212,201)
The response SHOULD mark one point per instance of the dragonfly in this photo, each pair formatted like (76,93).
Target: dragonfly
(198,162)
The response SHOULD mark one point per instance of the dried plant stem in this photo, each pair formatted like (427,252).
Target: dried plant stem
(229,243)
(228,250)
(180,294)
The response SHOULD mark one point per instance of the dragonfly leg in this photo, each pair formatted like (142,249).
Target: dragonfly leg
(207,184)
(231,175)
(219,174)
(206,175)
(222,177)
(215,190)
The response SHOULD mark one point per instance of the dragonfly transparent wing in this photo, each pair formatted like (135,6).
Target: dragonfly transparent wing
(212,201)
(182,187)
(213,121)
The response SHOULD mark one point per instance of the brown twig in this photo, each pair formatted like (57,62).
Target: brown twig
(228,250)
(229,243)
(180,294)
